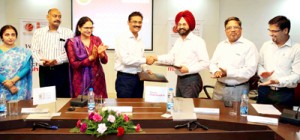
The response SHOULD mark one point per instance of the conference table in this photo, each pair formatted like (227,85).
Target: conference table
(221,126)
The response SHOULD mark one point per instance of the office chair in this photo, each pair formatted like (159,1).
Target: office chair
(205,87)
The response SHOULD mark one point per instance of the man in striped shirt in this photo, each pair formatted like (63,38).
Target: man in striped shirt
(48,51)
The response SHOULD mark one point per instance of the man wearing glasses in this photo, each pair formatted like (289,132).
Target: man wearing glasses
(48,51)
(233,63)
(279,65)
(129,58)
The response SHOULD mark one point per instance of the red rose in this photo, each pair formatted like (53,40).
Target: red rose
(78,123)
(138,128)
(120,131)
(83,127)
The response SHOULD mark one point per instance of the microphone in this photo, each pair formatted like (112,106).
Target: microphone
(290,116)
(81,102)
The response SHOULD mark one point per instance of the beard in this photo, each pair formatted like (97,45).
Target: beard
(183,32)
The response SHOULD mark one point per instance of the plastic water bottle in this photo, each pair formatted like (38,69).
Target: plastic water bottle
(244,103)
(91,101)
(170,101)
(3,109)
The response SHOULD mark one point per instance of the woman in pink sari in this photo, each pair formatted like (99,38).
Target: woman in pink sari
(86,54)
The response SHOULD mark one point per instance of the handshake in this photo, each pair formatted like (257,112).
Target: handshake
(151,59)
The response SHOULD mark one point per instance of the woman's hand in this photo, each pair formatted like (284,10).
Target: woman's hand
(8,84)
(13,90)
(93,56)
(101,50)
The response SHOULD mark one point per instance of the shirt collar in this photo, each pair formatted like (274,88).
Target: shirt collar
(288,43)
(59,30)
(240,40)
(131,36)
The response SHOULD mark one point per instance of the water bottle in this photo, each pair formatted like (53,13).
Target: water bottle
(244,103)
(170,101)
(3,109)
(91,101)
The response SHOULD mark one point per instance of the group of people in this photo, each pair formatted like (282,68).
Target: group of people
(73,63)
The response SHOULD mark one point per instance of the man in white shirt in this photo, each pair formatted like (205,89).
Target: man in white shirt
(49,52)
(189,55)
(279,65)
(233,63)
(129,58)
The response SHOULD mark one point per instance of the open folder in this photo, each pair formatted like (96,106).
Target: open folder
(154,77)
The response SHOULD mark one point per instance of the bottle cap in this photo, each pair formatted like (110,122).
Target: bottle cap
(245,91)
(90,89)
(171,89)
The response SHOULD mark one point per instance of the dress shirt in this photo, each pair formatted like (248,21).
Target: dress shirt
(129,53)
(189,52)
(50,45)
(284,61)
(239,59)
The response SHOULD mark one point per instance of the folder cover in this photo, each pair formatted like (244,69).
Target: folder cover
(154,77)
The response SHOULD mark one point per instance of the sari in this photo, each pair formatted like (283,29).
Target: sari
(11,63)
(83,73)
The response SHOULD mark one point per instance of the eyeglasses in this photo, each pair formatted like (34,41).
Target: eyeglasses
(88,28)
(135,22)
(274,31)
(232,27)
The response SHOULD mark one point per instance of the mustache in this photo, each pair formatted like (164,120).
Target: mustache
(136,26)
(57,21)
(182,29)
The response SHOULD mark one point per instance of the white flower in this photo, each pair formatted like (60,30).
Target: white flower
(111,118)
(101,128)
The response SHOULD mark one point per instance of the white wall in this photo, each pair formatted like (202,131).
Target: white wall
(255,15)
(2,13)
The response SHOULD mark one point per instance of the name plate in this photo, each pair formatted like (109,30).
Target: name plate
(121,109)
(259,119)
(202,110)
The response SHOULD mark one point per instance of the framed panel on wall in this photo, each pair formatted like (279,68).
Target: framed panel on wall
(110,18)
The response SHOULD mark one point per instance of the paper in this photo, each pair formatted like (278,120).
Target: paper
(266,109)
(43,95)
(298,135)
(156,94)
(207,110)
(154,77)
(121,109)
(183,109)
(296,108)
(166,115)
(259,119)
(52,107)
(34,110)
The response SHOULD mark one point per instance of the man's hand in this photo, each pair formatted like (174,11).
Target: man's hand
(183,69)
(266,74)
(270,82)
(220,74)
(149,60)
(47,62)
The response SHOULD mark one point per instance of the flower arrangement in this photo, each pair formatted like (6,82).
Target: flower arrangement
(106,122)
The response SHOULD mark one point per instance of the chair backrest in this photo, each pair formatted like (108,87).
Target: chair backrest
(205,87)
(297,95)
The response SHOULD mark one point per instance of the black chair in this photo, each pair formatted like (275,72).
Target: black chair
(205,87)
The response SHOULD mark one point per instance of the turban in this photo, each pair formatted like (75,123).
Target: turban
(189,18)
